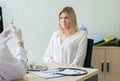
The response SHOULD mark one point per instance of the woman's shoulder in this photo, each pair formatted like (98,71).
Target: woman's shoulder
(56,33)
(81,32)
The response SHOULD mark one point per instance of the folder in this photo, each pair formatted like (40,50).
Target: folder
(108,39)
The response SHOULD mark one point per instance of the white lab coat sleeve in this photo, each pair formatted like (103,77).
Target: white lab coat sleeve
(48,56)
(12,68)
(81,51)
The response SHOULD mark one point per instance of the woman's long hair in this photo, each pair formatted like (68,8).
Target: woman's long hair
(73,23)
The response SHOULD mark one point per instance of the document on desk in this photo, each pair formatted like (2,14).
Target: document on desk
(54,73)
(47,75)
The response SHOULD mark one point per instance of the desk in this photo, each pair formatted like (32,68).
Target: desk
(91,73)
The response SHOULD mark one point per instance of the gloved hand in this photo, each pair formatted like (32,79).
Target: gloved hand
(5,36)
(17,33)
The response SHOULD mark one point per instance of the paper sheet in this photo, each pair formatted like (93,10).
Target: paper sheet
(47,75)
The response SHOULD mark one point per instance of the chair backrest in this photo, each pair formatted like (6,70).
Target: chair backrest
(88,58)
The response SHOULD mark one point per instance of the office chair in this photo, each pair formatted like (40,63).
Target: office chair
(88,58)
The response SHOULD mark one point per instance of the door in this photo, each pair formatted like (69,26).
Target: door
(113,64)
(98,61)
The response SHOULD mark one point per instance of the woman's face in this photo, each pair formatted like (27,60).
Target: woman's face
(65,20)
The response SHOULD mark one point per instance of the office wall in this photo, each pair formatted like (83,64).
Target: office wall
(38,19)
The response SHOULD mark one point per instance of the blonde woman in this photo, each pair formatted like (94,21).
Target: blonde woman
(67,45)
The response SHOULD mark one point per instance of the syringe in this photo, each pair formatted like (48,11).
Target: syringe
(12,21)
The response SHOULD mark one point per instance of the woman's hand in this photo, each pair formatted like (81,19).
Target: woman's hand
(53,62)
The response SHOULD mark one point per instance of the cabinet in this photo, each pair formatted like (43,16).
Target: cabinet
(107,60)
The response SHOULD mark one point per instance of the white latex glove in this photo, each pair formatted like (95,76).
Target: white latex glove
(5,36)
(17,33)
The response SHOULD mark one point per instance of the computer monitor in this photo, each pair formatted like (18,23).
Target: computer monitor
(1,20)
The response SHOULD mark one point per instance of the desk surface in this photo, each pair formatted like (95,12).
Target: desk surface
(32,77)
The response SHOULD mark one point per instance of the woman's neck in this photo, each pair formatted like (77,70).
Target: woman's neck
(67,32)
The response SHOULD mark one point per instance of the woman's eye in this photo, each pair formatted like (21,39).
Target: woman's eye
(60,17)
(66,17)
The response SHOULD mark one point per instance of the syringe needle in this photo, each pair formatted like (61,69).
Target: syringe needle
(12,21)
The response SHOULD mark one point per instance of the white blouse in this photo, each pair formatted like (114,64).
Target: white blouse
(71,52)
